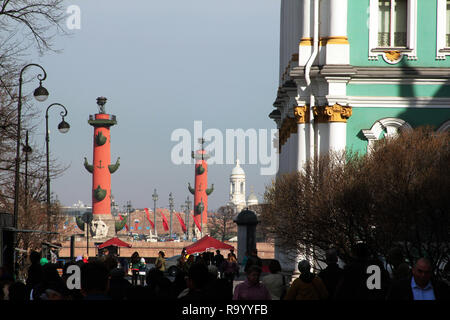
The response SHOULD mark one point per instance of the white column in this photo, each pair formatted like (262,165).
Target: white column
(323,142)
(338,48)
(297,25)
(293,153)
(301,145)
(282,40)
(305,45)
(337,136)
(285,157)
(324,29)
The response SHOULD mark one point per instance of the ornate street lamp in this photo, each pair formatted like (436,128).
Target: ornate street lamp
(171,210)
(129,209)
(63,127)
(27,150)
(155,198)
(40,94)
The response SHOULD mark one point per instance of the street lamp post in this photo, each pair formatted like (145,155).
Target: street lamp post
(27,150)
(155,198)
(171,209)
(40,94)
(129,211)
(188,208)
(63,127)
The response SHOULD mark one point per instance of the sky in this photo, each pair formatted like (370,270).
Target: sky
(162,65)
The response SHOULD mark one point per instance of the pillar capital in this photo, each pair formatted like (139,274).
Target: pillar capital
(301,114)
(335,113)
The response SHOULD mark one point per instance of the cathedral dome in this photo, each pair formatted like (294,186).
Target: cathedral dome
(252,199)
(237,171)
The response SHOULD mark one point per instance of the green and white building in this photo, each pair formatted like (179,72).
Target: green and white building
(355,71)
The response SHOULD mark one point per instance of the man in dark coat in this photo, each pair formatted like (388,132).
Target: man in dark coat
(332,274)
(253,259)
(420,286)
(34,271)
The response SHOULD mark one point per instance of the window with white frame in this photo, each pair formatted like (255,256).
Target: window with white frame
(447,27)
(443,29)
(392,27)
(392,22)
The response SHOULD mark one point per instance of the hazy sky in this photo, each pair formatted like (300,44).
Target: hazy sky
(162,65)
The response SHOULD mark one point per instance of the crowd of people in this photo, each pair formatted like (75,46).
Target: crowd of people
(210,277)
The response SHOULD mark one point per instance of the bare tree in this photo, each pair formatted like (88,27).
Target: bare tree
(221,223)
(393,196)
(25,26)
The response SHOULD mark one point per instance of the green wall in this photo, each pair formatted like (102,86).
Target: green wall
(364,118)
(358,36)
(402,90)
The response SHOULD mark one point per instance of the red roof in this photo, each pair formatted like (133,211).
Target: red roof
(206,243)
(114,242)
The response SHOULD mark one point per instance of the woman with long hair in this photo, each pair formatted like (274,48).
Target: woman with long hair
(160,262)
(230,267)
(135,264)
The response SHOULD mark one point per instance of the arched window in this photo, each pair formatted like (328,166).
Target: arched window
(387,127)
(444,127)
(242,187)
(233,188)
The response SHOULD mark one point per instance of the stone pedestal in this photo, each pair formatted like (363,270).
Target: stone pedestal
(102,227)
(246,221)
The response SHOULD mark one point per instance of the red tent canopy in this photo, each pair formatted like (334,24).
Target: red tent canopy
(114,242)
(206,243)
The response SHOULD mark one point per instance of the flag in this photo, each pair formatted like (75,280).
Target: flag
(121,218)
(165,224)
(148,218)
(183,226)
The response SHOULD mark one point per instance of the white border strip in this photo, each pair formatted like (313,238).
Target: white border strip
(398,102)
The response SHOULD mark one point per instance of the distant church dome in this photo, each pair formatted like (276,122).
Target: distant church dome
(252,198)
(237,187)
(237,171)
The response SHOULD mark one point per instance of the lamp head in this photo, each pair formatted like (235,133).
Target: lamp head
(40,94)
(63,126)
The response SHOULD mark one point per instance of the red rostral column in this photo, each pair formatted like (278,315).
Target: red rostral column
(201,191)
(101,168)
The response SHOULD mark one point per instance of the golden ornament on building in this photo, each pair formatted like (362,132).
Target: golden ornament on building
(335,113)
(393,55)
(301,114)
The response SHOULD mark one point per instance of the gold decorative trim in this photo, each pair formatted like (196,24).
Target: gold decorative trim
(323,41)
(306,42)
(338,40)
(301,114)
(335,113)
(393,55)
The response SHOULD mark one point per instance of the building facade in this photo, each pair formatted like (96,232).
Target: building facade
(355,71)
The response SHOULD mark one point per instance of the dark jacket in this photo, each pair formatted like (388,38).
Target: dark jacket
(331,276)
(401,290)
(253,260)
(353,283)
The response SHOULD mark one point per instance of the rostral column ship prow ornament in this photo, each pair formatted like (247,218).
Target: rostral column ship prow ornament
(201,190)
(103,225)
